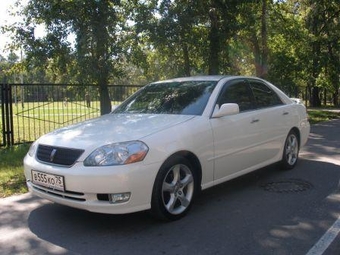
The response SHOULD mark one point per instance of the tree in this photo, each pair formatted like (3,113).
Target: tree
(4,67)
(168,28)
(288,47)
(322,22)
(292,43)
(195,34)
(96,26)
(254,32)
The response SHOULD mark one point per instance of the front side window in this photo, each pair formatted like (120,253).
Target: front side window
(264,96)
(189,98)
(237,92)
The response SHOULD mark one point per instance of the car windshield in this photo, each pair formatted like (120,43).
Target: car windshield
(188,97)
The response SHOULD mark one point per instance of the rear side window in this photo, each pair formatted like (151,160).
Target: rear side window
(264,95)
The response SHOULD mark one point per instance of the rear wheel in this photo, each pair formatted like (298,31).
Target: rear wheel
(174,189)
(290,151)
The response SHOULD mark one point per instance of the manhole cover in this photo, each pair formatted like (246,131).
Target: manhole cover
(287,186)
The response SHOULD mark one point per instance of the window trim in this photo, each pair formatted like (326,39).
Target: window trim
(258,107)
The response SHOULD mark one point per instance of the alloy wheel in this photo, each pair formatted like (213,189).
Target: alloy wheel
(178,189)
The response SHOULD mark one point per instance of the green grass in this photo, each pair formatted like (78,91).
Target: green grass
(12,180)
(33,119)
(38,118)
(317,115)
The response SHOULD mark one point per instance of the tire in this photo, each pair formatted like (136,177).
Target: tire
(174,189)
(291,151)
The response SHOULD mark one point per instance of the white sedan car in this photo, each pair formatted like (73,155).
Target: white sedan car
(167,142)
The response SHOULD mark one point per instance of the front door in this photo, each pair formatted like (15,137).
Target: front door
(236,137)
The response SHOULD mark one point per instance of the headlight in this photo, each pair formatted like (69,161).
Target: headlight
(117,154)
(32,149)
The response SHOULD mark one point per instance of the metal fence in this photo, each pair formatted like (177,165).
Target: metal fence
(31,110)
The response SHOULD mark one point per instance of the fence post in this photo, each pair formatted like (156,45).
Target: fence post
(2,114)
(7,114)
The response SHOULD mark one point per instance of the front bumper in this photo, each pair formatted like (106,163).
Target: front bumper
(89,188)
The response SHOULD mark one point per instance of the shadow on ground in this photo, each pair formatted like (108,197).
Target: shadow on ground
(233,218)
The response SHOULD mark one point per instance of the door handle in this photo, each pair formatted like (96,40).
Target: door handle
(254,121)
(285,113)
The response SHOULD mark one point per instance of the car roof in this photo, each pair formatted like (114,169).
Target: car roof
(196,78)
(206,78)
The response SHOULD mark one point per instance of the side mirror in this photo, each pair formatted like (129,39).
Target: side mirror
(225,110)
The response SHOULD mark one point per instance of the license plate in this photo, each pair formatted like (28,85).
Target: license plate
(52,181)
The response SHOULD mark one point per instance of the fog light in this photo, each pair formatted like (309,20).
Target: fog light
(119,197)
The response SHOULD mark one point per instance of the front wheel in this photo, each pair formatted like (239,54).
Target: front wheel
(290,151)
(174,189)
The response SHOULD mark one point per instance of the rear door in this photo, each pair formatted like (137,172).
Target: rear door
(272,115)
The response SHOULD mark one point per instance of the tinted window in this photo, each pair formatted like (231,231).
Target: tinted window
(237,92)
(264,96)
(188,98)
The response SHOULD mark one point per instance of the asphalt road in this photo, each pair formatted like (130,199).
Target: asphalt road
(266,212)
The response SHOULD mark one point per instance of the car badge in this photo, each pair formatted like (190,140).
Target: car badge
(54,151)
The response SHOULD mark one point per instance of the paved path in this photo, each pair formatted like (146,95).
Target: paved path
(239,217)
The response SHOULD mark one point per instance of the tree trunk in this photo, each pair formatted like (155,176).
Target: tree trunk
(260,45)
(257,55)
(102,61)
(336,99)
(334,69)
(315,99)
(105,102)
(264,40)
(186,59)
(214,42)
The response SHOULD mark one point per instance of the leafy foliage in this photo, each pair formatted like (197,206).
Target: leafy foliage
(294,44)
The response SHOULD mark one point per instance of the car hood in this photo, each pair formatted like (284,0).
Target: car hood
(111,128)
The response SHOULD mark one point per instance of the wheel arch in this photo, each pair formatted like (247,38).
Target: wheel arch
(297,132)
(158,208)
(194,161)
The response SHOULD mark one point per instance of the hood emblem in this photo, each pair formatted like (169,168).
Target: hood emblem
(54,151)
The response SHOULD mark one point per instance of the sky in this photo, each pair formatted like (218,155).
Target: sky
(7,6)
(6,19)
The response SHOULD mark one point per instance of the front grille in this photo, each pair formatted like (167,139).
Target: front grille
(58,155)
(76,196)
